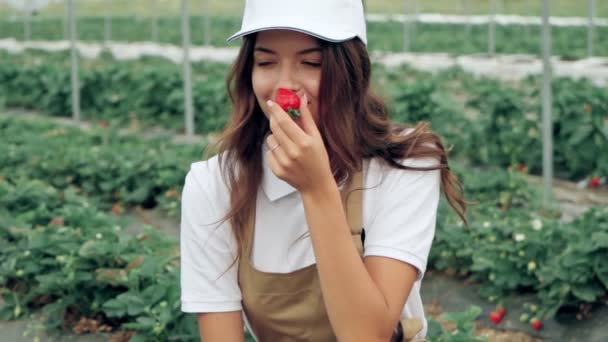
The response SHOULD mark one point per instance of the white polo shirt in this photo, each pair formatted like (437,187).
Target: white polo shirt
(399,216)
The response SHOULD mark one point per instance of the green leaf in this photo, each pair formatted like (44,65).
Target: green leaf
(138,338)
(434,329)
(588,292)
(464,320)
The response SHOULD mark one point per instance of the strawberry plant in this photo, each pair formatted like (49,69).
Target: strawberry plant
(143,172)
(80,263)
(464,327)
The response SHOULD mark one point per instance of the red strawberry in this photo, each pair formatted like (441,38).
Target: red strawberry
(495,317)
(522,168)
(594,182)
(289,101)
(536,324)
(117,209)
(501,311)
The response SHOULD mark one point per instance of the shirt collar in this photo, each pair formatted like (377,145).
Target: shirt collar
(274,187)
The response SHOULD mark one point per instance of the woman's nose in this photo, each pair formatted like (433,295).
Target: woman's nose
(288,79)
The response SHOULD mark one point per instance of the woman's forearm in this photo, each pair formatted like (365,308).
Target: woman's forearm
(356,307)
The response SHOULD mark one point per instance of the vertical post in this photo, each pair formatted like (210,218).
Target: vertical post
(492,29)
(27,16)
(74,60)
(107,33)
(154,5)
(591,27)
(66,20)
(500,7)
(189,118)
(415,10)
(546,108)
(207,22)
(406,27)
(466,11)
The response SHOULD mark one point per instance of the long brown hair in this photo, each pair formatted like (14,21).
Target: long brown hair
(361,129)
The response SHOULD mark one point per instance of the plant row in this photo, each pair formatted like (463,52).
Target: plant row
(112,170)
(511,245)
(63,255)
(487,122)
(568,42)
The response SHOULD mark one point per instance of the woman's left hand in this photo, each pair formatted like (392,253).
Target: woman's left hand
(297,153)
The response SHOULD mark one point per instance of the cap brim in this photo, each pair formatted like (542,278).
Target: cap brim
(334,38)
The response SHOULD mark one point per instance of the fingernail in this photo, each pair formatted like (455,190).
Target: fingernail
(269,103)
(305,99)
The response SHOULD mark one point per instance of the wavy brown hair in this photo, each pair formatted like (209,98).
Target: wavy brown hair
(360,129)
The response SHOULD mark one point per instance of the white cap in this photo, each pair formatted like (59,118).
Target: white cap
(331,20)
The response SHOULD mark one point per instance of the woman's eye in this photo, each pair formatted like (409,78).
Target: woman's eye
(312,64)
(261,64)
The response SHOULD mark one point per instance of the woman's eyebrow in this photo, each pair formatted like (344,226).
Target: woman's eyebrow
(302,52)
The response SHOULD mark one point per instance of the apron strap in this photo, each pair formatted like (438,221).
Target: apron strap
(353,205)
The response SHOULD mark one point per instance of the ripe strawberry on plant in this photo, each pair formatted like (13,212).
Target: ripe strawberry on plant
(117,209)
(495,317)
(594,182)
(289,101)
(536,324)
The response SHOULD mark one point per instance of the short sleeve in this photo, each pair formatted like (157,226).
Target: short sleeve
(208,283)
(403,213)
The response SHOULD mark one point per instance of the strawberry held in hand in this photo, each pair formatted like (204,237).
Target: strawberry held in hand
(289,101)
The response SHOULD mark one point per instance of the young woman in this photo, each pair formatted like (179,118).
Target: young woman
(316,228)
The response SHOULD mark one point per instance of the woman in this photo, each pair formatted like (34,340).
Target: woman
(316,228)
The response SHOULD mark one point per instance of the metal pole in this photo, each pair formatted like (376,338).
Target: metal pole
(207,22)
(66,20)
(492,29)
(546,108)
(415,11)
(74,59)
(107,33)
(154,4)
(500,7)
(466,11)
(27,28)
(187,72)
(406,27)
(591,28)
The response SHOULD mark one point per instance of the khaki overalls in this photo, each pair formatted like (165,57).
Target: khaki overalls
(289,306)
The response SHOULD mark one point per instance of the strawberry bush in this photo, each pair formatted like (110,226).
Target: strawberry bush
(490,123)
(484,120)
(62,255)
(150,92)
(512,246)
(143,172)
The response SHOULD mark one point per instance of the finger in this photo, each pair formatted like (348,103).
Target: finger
(276,150)
(291,129)
(281,137)
(274,164)
(308,122)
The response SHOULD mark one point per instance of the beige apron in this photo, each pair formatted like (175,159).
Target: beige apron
(289,306)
